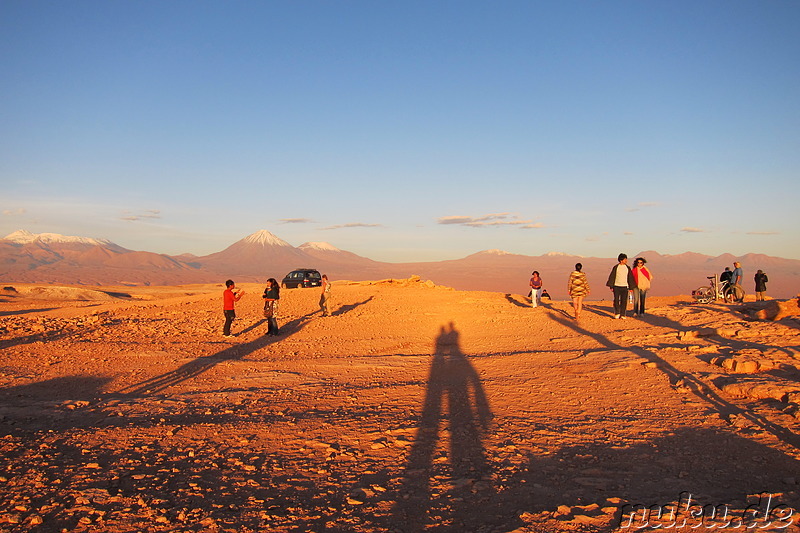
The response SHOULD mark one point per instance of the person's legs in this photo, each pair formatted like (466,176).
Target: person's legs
(229,316)
(636,297)
(642,299)
(538,294)
(577,303)
(620,300)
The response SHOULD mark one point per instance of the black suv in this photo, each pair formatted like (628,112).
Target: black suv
(302,277)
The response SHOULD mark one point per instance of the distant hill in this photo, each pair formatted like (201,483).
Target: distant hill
(54,258)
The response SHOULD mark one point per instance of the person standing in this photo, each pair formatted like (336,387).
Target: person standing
(620,281)
(326,293)
(272,293)
(578,288)
(536,289)
(736,280)
(643,277)
(726,275)
(761,285)
(230,296)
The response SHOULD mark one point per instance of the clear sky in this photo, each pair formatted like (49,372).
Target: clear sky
(405,131)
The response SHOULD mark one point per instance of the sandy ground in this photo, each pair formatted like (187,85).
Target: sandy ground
(413,408)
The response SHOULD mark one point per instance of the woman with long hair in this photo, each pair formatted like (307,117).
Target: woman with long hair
(271,296)
(536,289)
(643,277)
(578,288)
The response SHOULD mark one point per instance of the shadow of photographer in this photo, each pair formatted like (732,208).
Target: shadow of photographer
(455,415)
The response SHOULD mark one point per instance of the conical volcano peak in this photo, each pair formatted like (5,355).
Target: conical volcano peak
(265,238)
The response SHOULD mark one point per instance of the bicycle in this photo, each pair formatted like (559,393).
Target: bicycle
(724,290)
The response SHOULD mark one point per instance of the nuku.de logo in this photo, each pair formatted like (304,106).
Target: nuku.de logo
(686,513)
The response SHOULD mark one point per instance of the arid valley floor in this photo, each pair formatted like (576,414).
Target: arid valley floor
(413,408)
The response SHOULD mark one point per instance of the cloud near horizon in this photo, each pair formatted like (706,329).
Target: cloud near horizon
(640,205)
(762,233)
(352,225)
(493,219)
(12,212)
(296,221)
(692,230)
(148,214)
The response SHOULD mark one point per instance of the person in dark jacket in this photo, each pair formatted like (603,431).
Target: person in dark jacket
(271,296)
(761,285)
(621,281)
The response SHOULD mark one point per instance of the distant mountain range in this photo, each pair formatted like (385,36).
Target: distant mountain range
(54,258)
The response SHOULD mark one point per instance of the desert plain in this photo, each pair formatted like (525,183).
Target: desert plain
(412,408)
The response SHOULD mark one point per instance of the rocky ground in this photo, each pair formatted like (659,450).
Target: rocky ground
(413,408)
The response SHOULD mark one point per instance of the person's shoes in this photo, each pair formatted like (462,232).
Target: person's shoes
(228,335)
(616,316)
(623,318)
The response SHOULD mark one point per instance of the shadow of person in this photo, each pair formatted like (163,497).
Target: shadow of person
(691,383)
(454,402)
(516,302)
(349,307)
(198,366)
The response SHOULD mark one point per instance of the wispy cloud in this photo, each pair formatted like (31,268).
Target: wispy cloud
(148,214)
(13,212)
(493,219)
(762,233)
(296,221)
(641,205)
(353,225)
(692,230)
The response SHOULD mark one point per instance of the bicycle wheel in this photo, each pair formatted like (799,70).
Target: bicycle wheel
(704,295)
(735,294)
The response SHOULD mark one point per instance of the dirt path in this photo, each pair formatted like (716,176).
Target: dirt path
(412,408)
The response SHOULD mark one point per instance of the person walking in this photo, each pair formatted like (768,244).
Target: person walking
(326,293)
(578,288)
(761,285)
(230,296)
(620,281)
(536,289)
(643,277)
(272,293)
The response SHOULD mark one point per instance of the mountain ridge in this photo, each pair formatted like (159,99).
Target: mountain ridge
(54,258)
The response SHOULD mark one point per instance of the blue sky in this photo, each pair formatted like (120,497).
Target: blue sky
(405,131)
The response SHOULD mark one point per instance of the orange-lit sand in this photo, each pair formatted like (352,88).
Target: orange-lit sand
(413,408)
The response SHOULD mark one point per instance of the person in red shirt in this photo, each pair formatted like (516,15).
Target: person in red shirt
(230,296)
(643,277)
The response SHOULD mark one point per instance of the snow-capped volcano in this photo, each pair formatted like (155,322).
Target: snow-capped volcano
(321,246)
(26,237)
(265,238)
